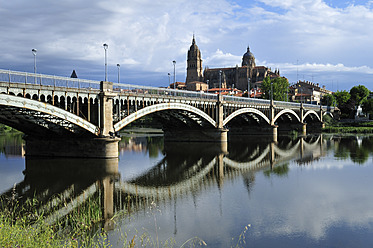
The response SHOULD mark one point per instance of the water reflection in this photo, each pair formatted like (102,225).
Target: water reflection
(278,198)
(12,145)
(356,148)
(184,169)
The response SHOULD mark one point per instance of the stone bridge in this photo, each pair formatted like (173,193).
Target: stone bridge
(73,117)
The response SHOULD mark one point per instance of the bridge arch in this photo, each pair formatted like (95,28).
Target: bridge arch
(42,107)
(311,112)
(286,111)
(328,113)
(161,107)
(243,111)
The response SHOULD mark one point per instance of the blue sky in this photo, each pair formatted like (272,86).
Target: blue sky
(328,42)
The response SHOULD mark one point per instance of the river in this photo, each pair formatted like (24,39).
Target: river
(298,192)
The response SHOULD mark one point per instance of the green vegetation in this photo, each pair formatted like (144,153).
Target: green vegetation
(280,87)
(6,129)
(26,225)
(347,102)
(368,107)
(280,171)
(359,94)
(349,127)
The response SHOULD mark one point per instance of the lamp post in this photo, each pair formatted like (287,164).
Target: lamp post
(118,66)
(34,51)
(169,79)
(219,82)
(174,62)
(248,87)
(105,48)
(271,91)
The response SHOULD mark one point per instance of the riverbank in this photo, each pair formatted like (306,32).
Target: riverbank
(349,127)
(26,225)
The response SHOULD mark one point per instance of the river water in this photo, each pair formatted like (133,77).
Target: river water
(298,192)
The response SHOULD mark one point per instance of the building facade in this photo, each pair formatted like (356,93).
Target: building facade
(308,92)
(244,77)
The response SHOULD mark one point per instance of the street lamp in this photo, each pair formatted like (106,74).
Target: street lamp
(105,48)
(118,66)
(169,80)
(174,62)
(248,87)
(219,82)
(34,51)
(271,91)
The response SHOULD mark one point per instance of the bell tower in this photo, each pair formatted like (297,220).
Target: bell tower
(194,68)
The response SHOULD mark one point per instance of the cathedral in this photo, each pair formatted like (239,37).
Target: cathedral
(248,75)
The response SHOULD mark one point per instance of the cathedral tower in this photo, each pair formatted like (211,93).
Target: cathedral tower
(194,68)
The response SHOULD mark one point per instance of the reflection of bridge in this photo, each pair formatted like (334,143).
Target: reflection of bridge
(174,177)
(74,117)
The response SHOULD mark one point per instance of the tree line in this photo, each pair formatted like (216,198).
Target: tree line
(348,101)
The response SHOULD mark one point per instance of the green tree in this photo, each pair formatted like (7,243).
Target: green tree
(280,87)
(368,106)
(328,100)
(342,97)
(359,94)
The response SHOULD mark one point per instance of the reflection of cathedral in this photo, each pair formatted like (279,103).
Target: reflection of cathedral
(234,77)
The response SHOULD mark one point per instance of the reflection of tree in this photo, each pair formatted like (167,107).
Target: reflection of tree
(10,140)
(281,171)
(350,147)
(342,151)
(154,146)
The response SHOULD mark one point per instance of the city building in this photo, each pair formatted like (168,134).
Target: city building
(308,92)
(197,86)
(244,77)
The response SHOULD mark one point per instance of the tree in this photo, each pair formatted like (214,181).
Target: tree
(342,97)
(348,108)
(280,87)
(359,94)
(328,100)
(368,106)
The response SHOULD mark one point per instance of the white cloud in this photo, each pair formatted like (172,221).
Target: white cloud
(147,35)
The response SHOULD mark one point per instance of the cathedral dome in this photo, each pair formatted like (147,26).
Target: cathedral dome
(248,58)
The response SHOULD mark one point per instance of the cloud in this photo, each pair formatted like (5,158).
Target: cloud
(221,59)
(146,36)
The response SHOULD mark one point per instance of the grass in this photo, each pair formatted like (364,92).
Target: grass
(349,127)
(27,226)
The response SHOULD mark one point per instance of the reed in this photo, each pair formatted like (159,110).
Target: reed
(29,225)
(26,225)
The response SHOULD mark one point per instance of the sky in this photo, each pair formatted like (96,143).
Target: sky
(323,41)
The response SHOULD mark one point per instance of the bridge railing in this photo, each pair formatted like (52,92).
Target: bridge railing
(246,100)
(56,81)
(46,80)
(138,89)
